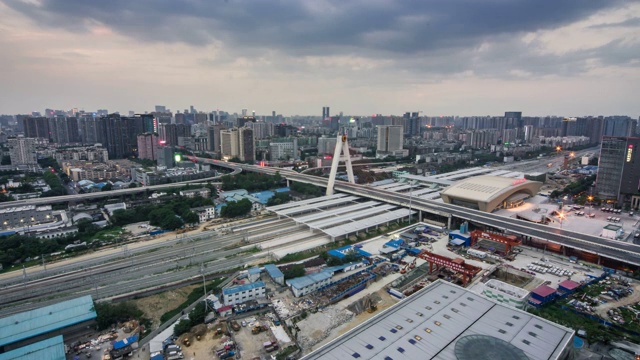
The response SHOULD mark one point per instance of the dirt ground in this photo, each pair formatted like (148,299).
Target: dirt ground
(601,310)
(203,348)
(387,301)
(155,306)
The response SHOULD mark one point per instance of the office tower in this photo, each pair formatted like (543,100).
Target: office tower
(334,124)
(169,133)
(240,122)
(165,156)
(213,137)
(284,150)
(282,130)
(102,112)
(229,143)
(325,112)
(200,118)
(247,142)
(64,130)
(192,110)
(238,143)
(619,126)
(618,176)
(36,127)
(261,129)
(273,115)
(389,139)
(116,135)
(412,124)
(147,146)
(179,118)
(22,151)
(513,120)
(326,145)
(161,108)
(244,112)
(595,127)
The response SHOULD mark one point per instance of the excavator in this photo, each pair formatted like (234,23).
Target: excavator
(370,306)
(408,266)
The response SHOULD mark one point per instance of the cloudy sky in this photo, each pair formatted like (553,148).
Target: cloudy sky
(447,57)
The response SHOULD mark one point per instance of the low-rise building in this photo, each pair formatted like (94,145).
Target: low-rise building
(57,233)
(239,294)
(505,293)
(274,272)
(25,216)
(307,284)
(205,213)
(203,192)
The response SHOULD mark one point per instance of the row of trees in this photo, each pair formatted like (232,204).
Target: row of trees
(576,187)
(250,181)
(236,208)
(307,189)
(169,216)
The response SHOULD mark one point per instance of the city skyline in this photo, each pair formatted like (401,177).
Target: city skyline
(296,57)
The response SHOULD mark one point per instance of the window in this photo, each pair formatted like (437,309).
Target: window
(436,302)
(382,338)
(470,298)
(401,350)
(427,330)
(502,331)
(526,342)
(398,327)
(454,310)
(445,296)
(516,317)
(428,307)
(418,337)
(438,323)
(463,304)
(533,334)
(388,358)
(538,326)
(452,291)
(411,341)
(369,346)
(419,314)
(446,316)
(409,321)
(355,355)
(509,324)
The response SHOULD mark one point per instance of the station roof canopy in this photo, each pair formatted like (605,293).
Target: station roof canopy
(487,192)
(40,321)
(445,321)
(49,349)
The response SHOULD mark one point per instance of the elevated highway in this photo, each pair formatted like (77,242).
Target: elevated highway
(621,251)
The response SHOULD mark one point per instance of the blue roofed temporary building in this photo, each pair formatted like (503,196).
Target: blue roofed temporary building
(457,242)
(304,285)
(49,349)
(276,275)
(263,196)
(15,330)
(282,190)
(157,356)
(121,344)
(242,293)
(254,274)
(465,237)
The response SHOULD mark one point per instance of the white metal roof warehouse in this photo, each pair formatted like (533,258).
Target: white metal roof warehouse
(445,321)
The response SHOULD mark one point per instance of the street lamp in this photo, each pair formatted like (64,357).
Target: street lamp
(561,218)
(590,199)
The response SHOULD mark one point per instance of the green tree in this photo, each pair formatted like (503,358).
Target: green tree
(294,272)
(6,160)
(191,218)
(279,198)
(110,314)
(107,187)
(236,208)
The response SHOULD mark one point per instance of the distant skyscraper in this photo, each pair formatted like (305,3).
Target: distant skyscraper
(147,146)
(513,120)
(619,170)
(244,112)
(229,143)
(161,108)
(22,151)
(243,120)
(389,140)
(325,112)
(192,110)
(247,144)
(169,133)
(238,142)
(619,126)
(165,156)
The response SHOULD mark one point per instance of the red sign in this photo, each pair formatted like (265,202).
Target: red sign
(518,182)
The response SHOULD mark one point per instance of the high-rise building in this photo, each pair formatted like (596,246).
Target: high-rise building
(413,124)
(247,144)
(240,122)
(619,126)
(261,129)
(169,133)
(284,150)
(213,137)
(618,176)
(389,140)
(528,133)
(229,143)
(147,146)
(64,130)
(36,127)
(326,145)
(325,113)
(165,156)
(238,142)
(161,108)
(513,120)
(22,151)
(244,112)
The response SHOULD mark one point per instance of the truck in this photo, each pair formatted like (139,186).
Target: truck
(271,348)
(235,326)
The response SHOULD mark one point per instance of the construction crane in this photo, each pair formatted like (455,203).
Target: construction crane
(457,265)
(509,241)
